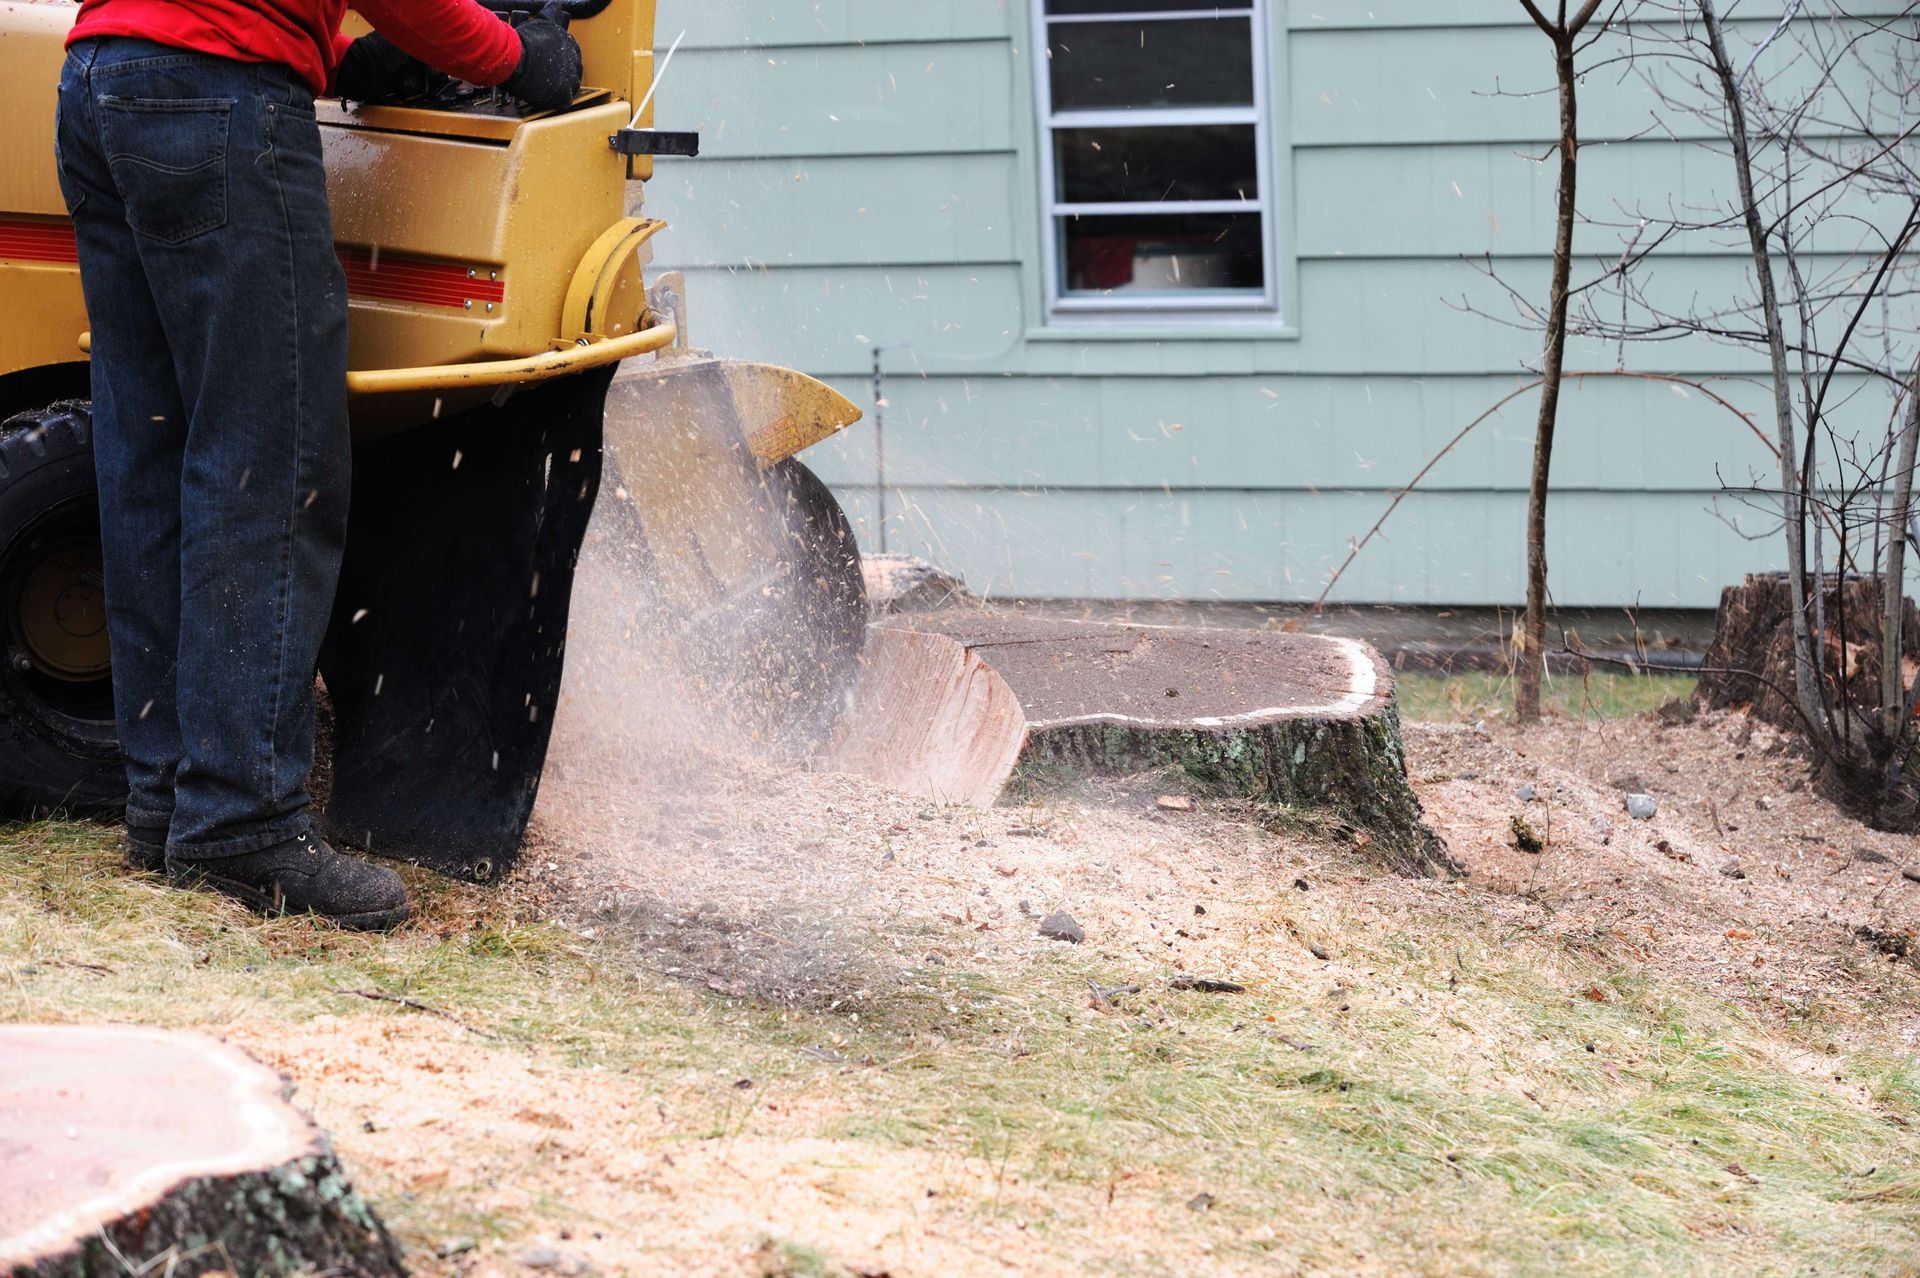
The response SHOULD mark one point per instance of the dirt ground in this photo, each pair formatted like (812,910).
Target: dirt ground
(767,888)
(1744,881)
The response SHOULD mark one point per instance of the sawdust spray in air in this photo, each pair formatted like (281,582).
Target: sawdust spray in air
(669,818)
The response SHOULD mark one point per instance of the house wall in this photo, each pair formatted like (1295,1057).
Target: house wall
(869,177)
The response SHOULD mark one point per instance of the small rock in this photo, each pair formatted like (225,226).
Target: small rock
(1318,952)
(1525,794)
(1872,857)
(1060,926)
(542,1258)
(1733,870)
(1200,1202)
(1174,803)
(456,1247)
(1641,807)
(1301,885)
(1468,774)
(1911,876)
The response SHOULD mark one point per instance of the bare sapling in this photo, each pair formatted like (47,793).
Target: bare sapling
(1531,647)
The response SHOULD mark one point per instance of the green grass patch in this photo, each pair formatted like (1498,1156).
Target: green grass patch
(1444,1096)
(1474,695)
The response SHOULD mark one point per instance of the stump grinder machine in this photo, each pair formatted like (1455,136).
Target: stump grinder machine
(513,364)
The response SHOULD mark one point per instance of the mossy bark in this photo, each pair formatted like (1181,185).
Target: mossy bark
(299,1217)
(1354,767)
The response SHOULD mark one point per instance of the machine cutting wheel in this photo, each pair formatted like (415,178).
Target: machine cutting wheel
(749,573)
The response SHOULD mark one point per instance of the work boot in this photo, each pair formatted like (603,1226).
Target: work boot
(145,849)
(303,876)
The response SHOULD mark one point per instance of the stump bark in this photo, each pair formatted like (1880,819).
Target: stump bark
(129,1150)
(956,704)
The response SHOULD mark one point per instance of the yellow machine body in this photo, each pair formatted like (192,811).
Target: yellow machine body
(482,248)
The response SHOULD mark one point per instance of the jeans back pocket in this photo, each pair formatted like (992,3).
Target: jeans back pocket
(169,160)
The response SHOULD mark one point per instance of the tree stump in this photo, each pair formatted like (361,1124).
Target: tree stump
(129,1150)
(1749,663)
(956,704)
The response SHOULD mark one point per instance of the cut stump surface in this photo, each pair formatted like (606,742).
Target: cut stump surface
(955,704)
(125,1149)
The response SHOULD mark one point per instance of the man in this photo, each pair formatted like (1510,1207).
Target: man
(190,162)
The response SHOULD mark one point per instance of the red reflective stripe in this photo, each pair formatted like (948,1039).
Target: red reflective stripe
(410,279)
(390,276)
(37,242)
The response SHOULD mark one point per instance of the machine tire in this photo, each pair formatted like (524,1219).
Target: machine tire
(58,749)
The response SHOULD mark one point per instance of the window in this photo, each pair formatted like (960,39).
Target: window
(1154,155)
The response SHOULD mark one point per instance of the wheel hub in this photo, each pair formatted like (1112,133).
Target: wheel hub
(62,615)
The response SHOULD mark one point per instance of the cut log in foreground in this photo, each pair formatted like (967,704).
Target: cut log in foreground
(127,1150)
(954,705)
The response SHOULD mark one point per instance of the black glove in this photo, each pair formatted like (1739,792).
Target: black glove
(373,69)
(548,76)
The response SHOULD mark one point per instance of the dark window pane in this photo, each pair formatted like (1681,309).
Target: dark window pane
(1161,253)
(1075,8)
(1102,65)
(1177,162)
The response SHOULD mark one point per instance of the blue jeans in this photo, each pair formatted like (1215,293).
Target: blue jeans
(219,320)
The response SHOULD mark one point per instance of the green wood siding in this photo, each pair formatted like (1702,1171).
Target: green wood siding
(869,178)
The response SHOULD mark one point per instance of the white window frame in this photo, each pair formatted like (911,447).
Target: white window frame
(1148,307)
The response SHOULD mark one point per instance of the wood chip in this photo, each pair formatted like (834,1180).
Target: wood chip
(1206,985)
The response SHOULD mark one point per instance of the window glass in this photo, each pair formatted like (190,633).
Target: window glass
(1097,65)
(1190,162)
(1161,253)
(1153,121)
(1076,8)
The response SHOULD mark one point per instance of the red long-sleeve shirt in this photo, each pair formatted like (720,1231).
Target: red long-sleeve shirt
(455,36)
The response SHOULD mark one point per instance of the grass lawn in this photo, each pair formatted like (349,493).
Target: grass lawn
(1474,695)
(1446,1093)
